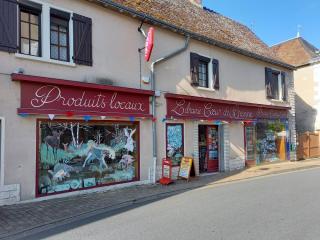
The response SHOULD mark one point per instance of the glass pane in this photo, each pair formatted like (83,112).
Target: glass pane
(34,32)
(175,143)
(54,52)
(24,17)
(24,30)
(90,154)
(63,29)
(54,27)
(63,53)
(24,46)
(34,19)
(54,37)
(63,39)
(35,48)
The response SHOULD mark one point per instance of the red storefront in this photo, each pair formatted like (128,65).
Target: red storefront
(265,127)
(88,135)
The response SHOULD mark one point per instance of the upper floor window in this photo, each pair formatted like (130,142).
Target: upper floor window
(36,30)
(30,43)
(59,35)
(275,84)
(204,72)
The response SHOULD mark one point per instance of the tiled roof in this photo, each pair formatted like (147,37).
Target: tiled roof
(297,52)
(206,25)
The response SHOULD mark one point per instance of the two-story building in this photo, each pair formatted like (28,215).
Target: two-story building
(306,58)
(81,109)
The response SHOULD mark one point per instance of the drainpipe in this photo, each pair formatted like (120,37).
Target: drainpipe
(153,88)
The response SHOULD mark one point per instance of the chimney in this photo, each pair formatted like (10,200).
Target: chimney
(197,2)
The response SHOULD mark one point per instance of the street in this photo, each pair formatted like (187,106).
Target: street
(284,206)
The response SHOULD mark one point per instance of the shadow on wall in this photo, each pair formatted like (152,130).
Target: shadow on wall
(305,116)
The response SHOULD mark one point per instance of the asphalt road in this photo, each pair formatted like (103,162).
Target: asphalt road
(285,206)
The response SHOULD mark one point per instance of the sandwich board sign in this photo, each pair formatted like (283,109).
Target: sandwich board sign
(185,167)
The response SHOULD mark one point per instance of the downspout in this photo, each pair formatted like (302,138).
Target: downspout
(153,88)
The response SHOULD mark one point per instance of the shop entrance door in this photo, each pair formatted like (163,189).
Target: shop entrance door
(208,148)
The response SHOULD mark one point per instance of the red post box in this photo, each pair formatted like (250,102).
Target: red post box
(166,171)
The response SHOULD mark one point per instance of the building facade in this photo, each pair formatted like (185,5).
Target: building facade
(305,57)
(81,109)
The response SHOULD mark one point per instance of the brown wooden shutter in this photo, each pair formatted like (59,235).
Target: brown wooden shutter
(268,79)
(8,26)
(194,69)
(215,70)
(284,86)
(82,37)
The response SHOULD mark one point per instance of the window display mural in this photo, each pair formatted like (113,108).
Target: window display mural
(75,155)
(175,150)
(271,141)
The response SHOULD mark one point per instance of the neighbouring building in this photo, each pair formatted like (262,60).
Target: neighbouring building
(81,109)
(306,58)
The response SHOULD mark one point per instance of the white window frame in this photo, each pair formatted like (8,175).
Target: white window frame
(279,86)
(45,36)
(2,137)
(210,76)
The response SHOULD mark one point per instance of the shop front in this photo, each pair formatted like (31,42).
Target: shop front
(266,141)
(88,135)
(229,134)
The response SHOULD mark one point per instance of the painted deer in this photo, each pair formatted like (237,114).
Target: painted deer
(54,142)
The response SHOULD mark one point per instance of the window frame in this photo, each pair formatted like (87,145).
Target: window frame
(206,64)
(52,21)
(137,178)
(279,85)
(45,35)
(29,10)
(166,137)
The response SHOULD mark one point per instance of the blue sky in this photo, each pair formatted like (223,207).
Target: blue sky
(274,20)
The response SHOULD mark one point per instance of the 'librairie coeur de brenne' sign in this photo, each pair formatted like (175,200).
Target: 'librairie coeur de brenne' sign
(38,97)
(187,107)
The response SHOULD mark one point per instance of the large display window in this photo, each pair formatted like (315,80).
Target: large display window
(74,155)
(175,142)
(266,141)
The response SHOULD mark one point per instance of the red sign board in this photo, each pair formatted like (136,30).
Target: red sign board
(187,107)
(61,96)
(149,44)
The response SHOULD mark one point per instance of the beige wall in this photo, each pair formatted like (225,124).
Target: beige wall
(115,57)
(306,101)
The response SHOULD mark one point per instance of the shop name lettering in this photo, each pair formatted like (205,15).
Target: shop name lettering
(52,94)
(210,110)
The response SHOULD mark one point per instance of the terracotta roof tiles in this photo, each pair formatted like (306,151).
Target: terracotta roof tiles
(297,52)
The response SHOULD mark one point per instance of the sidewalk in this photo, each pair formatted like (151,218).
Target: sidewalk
(23,219)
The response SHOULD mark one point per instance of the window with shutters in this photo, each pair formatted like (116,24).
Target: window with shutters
(30,31)
(204,72)
(59,39)
(39,31)
(276,88)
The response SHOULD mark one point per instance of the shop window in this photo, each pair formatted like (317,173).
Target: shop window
(30,31)
(271,141)
(75,155)
(175,142)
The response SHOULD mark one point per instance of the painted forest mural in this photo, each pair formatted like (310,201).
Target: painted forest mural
(77,155)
